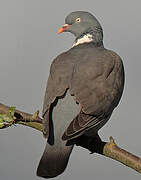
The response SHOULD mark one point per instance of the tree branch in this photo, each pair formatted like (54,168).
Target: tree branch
(113,151)
(19,117)
(10,116)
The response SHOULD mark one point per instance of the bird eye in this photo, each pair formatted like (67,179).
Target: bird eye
(78,20)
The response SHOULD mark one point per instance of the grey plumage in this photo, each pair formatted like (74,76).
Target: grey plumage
(88,75)
(56,154)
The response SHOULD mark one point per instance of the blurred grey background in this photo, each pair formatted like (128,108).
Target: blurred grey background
(28,44)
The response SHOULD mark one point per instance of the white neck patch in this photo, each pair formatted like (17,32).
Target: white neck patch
(85,39)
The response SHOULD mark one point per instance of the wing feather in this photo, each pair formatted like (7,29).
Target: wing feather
(99,94)
(96,82)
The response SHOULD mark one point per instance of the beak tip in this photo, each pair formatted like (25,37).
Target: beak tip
(59,31)
(62,29)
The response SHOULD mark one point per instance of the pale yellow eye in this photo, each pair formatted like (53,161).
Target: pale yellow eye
(78,20)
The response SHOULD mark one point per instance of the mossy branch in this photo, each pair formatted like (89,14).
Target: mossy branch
(10,116)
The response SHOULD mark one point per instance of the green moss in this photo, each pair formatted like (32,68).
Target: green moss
(34,125)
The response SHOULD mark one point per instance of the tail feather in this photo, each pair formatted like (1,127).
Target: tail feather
(54,160)
(57,153)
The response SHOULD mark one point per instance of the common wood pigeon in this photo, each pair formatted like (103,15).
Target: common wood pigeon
(84,86)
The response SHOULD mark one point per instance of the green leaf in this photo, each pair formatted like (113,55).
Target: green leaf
(7,119)
(4,120)
(11,112)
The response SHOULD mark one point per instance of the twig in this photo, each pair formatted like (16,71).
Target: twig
(95,145)
(113,151)
(19,117)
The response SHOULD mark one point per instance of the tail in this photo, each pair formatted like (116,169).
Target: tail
(57,153)
(54,160)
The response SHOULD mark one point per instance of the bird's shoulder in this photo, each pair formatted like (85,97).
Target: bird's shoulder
(114,56)
(63,58)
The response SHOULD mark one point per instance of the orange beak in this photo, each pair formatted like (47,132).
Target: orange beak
(62,29)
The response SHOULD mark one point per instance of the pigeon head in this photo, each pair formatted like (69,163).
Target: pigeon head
(83,25)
